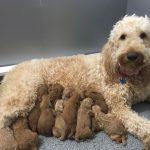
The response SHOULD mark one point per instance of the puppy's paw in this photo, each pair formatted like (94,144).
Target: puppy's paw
(59,106)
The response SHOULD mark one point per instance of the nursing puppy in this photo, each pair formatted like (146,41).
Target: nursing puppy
(7,140)
(84,120)
(47,117)
(33,117)
(34,114)
(42,90)
(65,124)
(55,92)
(99,100)
(111,125)
(25,138)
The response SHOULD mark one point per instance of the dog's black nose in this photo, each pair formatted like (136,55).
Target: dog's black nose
(132,56)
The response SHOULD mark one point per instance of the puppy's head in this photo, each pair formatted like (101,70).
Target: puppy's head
(68,93)
(45,103)
(55,89)
(87,103)
(42,90)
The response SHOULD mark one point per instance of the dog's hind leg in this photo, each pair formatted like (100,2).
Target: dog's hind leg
(18,97)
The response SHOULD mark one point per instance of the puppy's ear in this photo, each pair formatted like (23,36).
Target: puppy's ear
(107,59)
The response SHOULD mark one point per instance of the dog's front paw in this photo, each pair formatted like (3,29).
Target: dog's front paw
(146,142)
(119,139)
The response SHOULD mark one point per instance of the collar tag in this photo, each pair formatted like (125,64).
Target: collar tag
(123,80)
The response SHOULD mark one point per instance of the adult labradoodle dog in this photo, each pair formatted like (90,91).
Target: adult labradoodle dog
(121,73)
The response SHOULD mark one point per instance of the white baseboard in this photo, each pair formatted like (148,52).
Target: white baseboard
(5,69)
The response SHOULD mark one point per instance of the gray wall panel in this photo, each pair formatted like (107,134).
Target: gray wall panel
(20,30)
(76,24)
(45,28)
(139,7)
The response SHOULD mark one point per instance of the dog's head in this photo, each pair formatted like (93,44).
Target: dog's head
(128,48)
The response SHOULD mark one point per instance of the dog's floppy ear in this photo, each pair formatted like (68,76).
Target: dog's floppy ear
(107,60)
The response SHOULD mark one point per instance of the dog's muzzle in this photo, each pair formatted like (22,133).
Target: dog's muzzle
(135,57)
(132,58)
(130,63)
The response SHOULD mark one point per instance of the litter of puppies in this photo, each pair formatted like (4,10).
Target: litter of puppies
(63,113)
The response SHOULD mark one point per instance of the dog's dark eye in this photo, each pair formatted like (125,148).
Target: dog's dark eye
(143,35)
(123,37)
